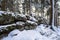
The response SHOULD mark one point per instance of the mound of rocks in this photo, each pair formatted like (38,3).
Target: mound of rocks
(22,22)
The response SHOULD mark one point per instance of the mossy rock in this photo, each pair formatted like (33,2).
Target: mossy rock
(10,28)
(27,27)
(20,27)
(6,19)
(19,18)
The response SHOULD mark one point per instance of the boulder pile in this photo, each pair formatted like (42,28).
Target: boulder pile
(21,21)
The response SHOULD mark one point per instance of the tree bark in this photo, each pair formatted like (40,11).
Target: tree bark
(3,7)
(56,15)
(50,22)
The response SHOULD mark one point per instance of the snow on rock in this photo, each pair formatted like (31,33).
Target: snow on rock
(20,23)
(14,32)
(12,13)
(6,25)
(1,12)
(4,12)
(31,22)
(33,19)
(21,15)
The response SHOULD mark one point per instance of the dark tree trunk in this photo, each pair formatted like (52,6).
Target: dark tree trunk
(3,7)
(50,22)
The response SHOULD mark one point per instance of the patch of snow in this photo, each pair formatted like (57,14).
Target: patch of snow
(33,19)
(13,14)
(46,31)
(58,32)
(4,12)
(58,16)
(20,23)
(31,22)
(58,3)
(27,35)
(7,38)
(1,12)
(22,15)
(6,25)
(40,28)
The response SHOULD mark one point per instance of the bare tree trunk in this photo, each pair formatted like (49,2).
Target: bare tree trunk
(50,22)
(56,15)
(53,12)
(3,7)
(7,4)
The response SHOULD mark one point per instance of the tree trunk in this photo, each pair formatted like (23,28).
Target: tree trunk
(3,7)
(50,22)
(56,14)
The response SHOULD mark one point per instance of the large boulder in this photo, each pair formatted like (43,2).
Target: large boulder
(6,19)
(30,25)
(20,27)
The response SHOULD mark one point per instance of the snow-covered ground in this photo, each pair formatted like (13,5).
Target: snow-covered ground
(40,33)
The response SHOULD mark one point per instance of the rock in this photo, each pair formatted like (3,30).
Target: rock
(4,31)
(27,27)
(11,27)
(30,25)
(42,20)
(20,27)
(33,19)
(21,18)
(28,17)
(6,19)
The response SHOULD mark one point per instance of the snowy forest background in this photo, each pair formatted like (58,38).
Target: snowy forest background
(36,17)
